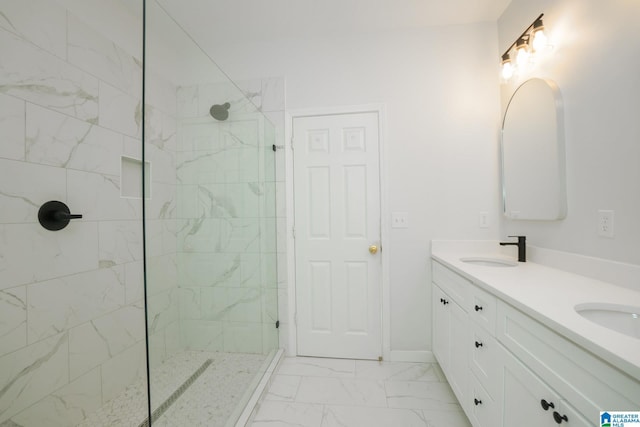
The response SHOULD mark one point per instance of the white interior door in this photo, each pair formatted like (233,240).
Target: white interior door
(337,235)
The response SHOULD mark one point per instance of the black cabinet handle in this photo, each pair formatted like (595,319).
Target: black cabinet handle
(546,405)
(478,307)
(55,215)
(478,344)
(559,418)
(477,402)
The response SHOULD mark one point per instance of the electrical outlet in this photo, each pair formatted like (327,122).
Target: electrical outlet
(399,220)
(483,220)
(605,223)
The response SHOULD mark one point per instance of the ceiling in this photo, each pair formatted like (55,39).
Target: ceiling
(238,21)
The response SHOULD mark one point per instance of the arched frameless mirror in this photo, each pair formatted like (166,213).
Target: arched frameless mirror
(533,159)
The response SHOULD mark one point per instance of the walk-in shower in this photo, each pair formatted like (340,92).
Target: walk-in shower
(156,302)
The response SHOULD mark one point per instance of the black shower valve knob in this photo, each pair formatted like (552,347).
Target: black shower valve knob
(55,215)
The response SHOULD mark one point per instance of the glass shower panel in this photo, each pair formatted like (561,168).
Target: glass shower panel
(72,336)
(210,233)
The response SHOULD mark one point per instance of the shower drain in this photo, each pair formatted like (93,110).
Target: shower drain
(176,394)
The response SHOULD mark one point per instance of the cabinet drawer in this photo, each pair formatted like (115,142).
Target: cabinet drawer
(482,408)
(456,286)
(485,360)
(482,309)
(587,382)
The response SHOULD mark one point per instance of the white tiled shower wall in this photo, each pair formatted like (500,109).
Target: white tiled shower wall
(227,250)
(71,301)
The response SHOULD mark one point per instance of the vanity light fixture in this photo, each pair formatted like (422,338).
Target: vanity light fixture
(532,40)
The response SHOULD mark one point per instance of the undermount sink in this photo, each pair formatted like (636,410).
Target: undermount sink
(621,318)
(489,262)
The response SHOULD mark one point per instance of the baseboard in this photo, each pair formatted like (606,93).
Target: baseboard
(423,356)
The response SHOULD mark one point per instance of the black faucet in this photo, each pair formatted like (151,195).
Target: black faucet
(522,247)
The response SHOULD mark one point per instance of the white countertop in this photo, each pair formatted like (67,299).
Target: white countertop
(549,295)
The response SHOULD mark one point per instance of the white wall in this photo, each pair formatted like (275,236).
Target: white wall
(440,88)
(596,63)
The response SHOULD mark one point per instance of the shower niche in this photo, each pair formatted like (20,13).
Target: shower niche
(131,178)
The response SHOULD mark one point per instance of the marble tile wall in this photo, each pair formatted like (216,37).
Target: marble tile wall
(227,216)
(161,225)
(71,301)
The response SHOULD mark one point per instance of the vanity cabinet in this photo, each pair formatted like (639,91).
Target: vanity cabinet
(451,336)
(508,369)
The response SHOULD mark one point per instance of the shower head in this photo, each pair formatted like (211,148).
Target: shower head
(220,112)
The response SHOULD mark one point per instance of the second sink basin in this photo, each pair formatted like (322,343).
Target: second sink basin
(621,318)
(489,262)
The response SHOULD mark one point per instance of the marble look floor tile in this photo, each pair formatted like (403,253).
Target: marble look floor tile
(421,395)
(286,414)
(342,391)
(343,416)
(284,387)
(399,371)
(318,367)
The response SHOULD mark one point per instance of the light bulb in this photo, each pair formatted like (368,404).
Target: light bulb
(522,55)
(507,67)
(539,38)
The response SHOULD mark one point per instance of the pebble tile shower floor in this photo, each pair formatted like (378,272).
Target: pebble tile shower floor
(208,401)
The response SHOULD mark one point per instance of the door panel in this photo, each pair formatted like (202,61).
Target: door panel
(337,220)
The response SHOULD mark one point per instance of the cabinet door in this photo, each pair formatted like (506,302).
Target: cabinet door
(441,327)
(526,397)
(459,352)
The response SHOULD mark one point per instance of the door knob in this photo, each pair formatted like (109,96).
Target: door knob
(373,249)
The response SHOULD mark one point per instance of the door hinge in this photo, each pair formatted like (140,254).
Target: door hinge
(293,232)
(277,324)
(273,147)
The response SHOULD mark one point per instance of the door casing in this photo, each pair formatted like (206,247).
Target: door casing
(384,215)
